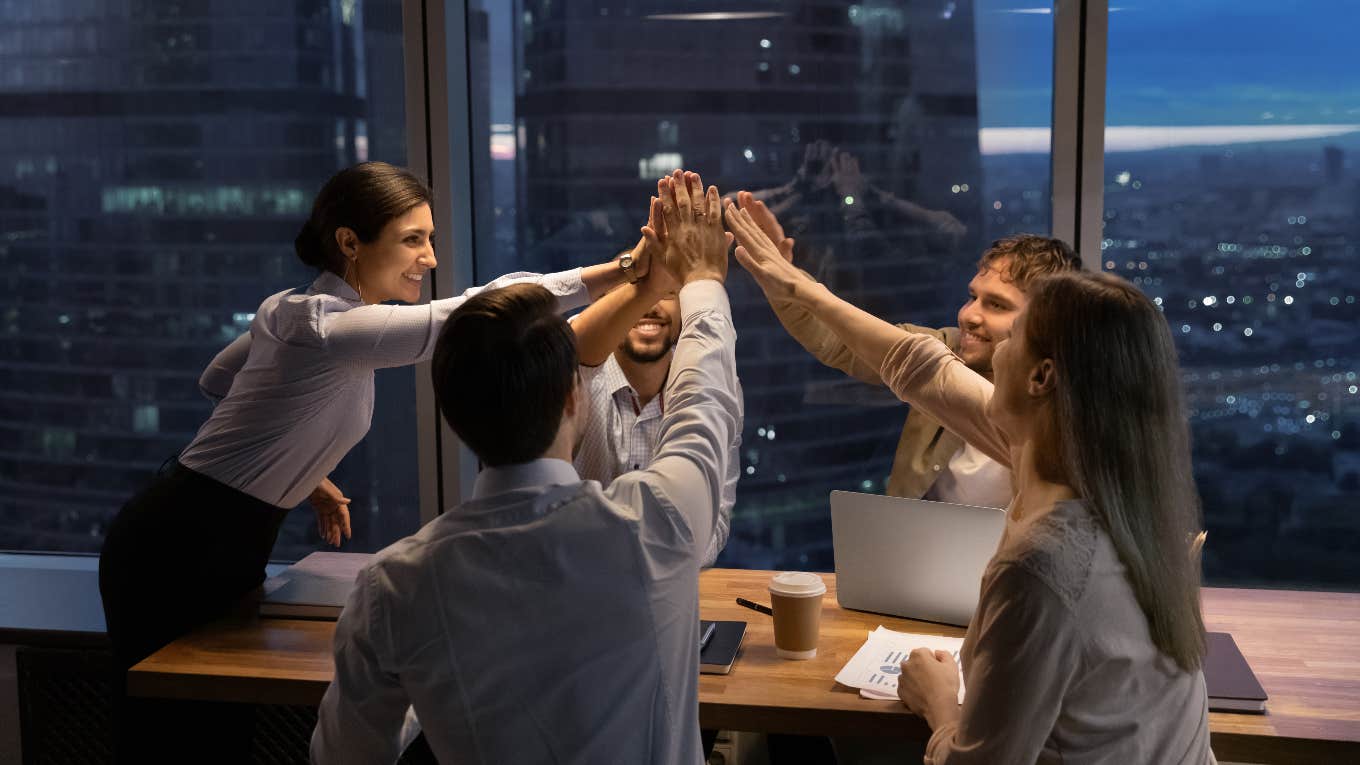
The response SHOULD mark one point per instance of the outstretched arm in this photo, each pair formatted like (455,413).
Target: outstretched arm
(810,332)
(703,398)
(919,369)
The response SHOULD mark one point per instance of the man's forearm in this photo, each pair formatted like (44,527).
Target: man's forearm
(601,327)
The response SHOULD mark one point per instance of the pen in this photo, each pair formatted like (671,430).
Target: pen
(755,606)
(708,635)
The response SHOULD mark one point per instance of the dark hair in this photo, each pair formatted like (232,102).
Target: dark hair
(503,368)
(1031,256)
(363,198)
(1116,432)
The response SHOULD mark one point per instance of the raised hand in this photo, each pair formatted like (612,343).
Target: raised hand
(846,177)
(777,277)
(815,172)
(696,245)
(764,218)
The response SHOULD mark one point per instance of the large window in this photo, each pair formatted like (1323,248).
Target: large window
(1232,197)
(894,138)
(156,162)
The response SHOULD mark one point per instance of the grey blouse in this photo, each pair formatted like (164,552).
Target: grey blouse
(1058,660)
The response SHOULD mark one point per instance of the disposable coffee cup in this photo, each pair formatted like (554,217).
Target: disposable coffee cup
(796,598)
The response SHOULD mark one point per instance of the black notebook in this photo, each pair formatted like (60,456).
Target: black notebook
(1233,687)
(722,648)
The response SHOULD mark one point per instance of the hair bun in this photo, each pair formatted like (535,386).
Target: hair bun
(308,247)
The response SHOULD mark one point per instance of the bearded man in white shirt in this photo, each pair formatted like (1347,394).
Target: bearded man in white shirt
(548,618)
(626,343)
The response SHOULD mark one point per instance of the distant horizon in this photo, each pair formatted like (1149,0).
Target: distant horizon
(994,141)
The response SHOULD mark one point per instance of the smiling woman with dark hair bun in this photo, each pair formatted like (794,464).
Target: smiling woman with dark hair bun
(293,395)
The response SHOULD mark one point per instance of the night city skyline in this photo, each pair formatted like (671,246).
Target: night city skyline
(139,232)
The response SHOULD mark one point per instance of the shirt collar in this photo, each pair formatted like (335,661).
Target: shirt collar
(330,283)
(614,378)
(526,475)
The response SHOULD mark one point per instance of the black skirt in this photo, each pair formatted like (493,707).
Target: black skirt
(179,554)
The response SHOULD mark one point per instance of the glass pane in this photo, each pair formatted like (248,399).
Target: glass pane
(156,162)
(944,107)
(1231,198)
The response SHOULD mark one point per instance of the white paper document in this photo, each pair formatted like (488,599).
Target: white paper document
(875,666)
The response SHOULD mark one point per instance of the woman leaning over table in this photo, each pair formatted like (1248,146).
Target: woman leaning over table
(1087,641)
(294,394)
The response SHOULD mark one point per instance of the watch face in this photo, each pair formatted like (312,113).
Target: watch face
(625,261)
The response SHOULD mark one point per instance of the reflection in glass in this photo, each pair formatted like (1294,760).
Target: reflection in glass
(859,123)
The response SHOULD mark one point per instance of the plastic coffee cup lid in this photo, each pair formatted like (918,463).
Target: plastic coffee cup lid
(797,584)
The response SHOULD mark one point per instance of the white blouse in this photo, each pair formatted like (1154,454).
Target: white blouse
(296,391)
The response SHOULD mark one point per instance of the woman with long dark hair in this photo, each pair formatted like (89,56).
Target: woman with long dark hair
(296,394)
(1087,641)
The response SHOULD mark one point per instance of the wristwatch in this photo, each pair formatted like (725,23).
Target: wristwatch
(626,263)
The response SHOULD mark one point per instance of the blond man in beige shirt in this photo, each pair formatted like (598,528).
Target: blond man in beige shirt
(932,462)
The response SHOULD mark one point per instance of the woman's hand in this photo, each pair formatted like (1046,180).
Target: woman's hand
(772,269)
(332,512)
(929,686)
(764,218)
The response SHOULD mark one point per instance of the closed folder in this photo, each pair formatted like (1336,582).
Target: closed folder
(722,648)
(315,587)
(1232,685)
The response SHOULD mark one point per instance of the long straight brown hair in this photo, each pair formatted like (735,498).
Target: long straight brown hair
(1118,428)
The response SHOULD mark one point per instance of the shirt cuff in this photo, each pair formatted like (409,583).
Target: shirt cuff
(937,748)
(570,290)
(703,296)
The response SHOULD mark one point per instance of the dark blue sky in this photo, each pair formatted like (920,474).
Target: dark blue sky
(1185,62)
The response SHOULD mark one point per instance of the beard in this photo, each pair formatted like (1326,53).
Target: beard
(645,355)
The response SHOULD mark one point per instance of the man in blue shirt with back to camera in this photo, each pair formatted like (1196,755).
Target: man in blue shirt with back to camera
(550,619)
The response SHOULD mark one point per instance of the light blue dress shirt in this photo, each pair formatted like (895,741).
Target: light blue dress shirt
(550,619)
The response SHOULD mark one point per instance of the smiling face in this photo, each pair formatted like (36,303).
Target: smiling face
(653,336)
(393,265)
(986,319)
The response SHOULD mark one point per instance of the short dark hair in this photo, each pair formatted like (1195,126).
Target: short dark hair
(1031,256)
(504,366)
(363,198)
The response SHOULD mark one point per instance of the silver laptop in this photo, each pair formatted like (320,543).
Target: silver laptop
(911,557)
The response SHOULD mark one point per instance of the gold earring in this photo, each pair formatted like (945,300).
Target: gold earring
(358,286)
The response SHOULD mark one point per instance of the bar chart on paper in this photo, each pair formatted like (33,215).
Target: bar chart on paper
(876,665)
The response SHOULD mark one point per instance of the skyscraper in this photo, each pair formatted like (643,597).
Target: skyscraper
(613,95)
(156,161)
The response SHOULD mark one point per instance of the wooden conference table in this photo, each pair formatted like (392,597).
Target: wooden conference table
(1303,646)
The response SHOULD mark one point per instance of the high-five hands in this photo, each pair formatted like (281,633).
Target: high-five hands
(759,255)
(650,251)
(768,223)
(695,244)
